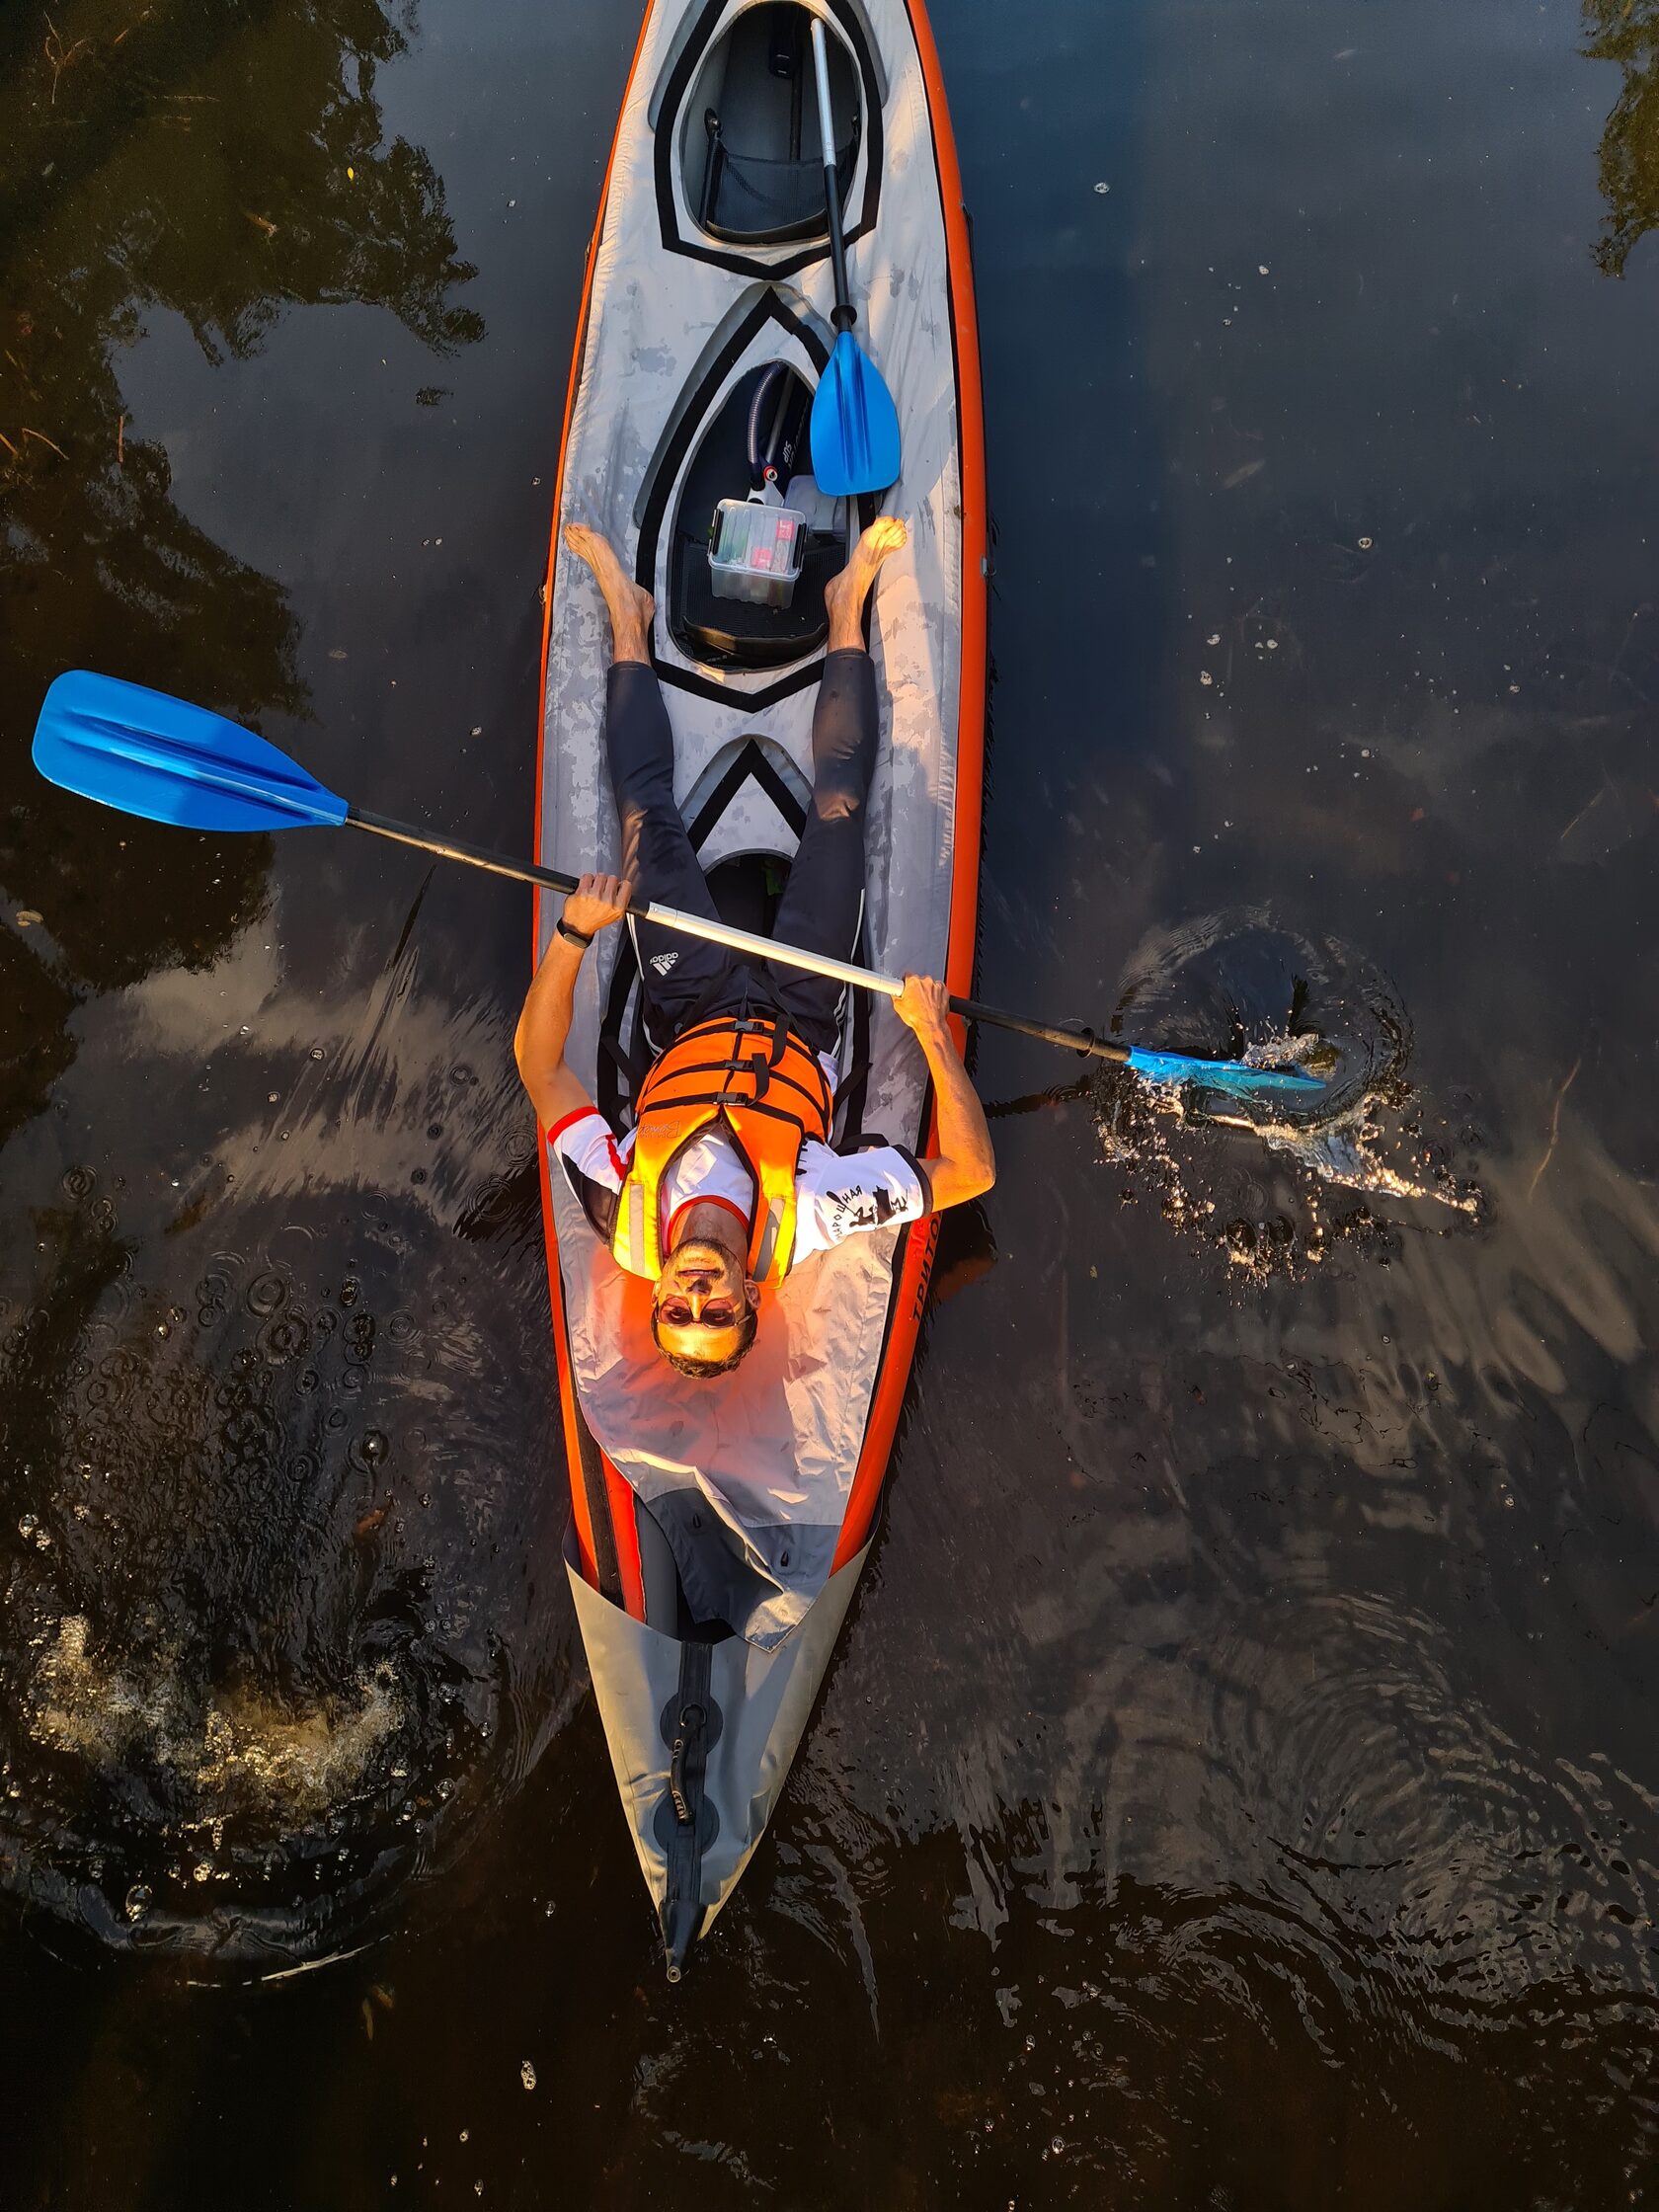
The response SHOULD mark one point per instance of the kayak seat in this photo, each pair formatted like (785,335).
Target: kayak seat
(727,633)
(749,200)
(751,160)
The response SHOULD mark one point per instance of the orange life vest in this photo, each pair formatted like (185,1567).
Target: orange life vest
(767,1087)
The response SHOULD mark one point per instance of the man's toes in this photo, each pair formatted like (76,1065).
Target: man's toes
(883,537)
(588,546)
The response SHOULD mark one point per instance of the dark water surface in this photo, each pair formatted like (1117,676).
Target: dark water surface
(1237,1785)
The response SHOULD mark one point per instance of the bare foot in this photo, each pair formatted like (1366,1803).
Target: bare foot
(629,605)
(845,594)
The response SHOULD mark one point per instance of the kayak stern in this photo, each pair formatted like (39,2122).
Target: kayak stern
(701,1738)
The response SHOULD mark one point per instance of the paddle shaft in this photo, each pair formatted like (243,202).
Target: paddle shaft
(166,761)
(735,940)
(846,314)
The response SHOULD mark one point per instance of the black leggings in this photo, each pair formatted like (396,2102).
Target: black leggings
(684,979)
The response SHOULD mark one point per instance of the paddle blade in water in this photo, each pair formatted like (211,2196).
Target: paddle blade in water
(1229,1075)
(158,757)
(854,425)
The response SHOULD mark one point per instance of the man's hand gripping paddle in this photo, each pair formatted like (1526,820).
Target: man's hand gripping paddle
(158,757)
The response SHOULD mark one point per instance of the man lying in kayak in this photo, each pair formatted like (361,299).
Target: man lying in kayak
(728,1180)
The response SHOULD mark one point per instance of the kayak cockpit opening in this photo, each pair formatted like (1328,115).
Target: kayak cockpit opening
(747,889)
(761,434)
(751,155)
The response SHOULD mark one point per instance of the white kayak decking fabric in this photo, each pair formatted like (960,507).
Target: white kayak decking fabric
(763,1698)
(754,1469)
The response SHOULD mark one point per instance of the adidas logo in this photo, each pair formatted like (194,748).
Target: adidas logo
(664,961)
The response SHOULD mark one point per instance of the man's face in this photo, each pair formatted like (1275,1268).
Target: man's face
(701,1298)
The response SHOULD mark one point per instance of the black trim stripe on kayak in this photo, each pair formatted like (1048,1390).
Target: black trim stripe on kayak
(751,761)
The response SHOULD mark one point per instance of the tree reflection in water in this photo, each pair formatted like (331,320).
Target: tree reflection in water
(1627,32)
(226,163)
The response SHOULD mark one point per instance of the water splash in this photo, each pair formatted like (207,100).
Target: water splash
(1241,984)
(227,1751)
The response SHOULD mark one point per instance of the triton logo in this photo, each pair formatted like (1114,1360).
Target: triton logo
(664,961)
(931,1252)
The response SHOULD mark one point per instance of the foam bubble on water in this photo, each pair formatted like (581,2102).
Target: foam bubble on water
(1355,1149)
(307,1760)
(95,1710)
(1171,1139)
(1213,985)
(239,1743)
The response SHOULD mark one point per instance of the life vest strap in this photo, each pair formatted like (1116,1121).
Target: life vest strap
(766,1075)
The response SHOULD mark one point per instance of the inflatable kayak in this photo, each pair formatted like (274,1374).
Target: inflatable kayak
(718,1527)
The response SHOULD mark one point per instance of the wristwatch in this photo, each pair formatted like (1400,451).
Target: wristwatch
(569,935)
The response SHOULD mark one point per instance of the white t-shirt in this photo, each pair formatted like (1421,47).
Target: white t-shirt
(837,1193)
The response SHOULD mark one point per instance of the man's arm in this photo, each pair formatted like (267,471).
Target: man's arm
(965,1164)
(544,1025)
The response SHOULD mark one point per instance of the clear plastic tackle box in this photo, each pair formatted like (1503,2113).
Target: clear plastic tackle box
(755,551)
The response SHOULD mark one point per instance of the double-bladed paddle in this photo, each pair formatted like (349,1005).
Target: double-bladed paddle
(854,422)
(154,756)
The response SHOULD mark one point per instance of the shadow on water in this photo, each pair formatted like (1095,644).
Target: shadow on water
(243,1672)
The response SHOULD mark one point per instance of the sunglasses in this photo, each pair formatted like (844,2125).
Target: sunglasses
(716,1314)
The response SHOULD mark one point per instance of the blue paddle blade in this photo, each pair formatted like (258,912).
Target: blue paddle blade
(154,756)
(854,425)
(1229,1075)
